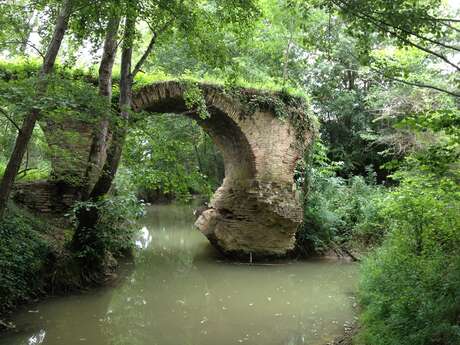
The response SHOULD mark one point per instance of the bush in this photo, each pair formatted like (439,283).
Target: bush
(114,231)
(410,288)
(338,211)
(23,254)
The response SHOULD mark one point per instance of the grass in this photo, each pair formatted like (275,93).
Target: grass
(23,68)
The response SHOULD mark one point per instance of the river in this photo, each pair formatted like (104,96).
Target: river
(179,291)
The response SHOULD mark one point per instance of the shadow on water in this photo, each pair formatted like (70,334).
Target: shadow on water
(180,291)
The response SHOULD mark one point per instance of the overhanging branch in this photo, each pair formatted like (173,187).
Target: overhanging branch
(149,49)
(144,56)
(388,28)
(10,120)
(422,85)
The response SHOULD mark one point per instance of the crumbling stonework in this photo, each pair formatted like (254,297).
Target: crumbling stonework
(45,196)
(69,141)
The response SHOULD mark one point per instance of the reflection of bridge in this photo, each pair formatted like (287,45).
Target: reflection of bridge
(255,210)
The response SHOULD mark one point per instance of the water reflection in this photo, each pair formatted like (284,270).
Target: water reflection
(37,338)
(181,292)
(144,238)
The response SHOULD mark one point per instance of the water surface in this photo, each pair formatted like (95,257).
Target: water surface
(180,292)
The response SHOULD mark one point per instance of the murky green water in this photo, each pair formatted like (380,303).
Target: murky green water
(179,292)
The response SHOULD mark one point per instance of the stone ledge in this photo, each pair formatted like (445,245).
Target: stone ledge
(51,197)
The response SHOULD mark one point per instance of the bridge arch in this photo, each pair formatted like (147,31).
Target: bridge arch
(256,211)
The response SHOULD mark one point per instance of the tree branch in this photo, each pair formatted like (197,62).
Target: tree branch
(149,49)
(451,20)
(412,83)
(426,86)
(11,120)
(371,16)
(144,56)
(24,171)
(444,22)
(387,29)
(28,44)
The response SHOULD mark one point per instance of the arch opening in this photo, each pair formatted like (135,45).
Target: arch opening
(255,212)
(239,162)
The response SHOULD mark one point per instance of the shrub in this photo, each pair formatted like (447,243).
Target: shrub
(114,231)
(338,211)
(23,254)
(410,287)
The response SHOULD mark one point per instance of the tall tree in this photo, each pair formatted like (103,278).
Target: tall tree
(88,217)
(161,16)
(28,124)
(100,135)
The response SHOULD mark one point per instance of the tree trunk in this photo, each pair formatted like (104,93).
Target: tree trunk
(198,158)
(88,217)
(105,90)
(112,162)
(28,125)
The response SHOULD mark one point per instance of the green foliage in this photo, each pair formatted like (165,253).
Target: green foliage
(338,212)
(410,287)
(23,255)
(115,229)
(405,20)
(194,99)
(170,154)
(15,21)
(358,60)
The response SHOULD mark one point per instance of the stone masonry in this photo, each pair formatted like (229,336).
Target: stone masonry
(255,213)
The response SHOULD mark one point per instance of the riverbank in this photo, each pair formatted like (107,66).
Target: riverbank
(350,330)
(36,262)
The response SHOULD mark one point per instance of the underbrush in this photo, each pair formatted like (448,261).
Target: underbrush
(410,276)
(113,235)
(36,257)
(24,252)
(410,287)
(339,214)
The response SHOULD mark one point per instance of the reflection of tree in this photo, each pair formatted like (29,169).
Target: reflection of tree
(26,338)
(37,338)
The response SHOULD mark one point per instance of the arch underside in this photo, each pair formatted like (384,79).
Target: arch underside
(255,211)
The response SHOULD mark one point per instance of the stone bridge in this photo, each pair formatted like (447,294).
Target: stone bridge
(257,210)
